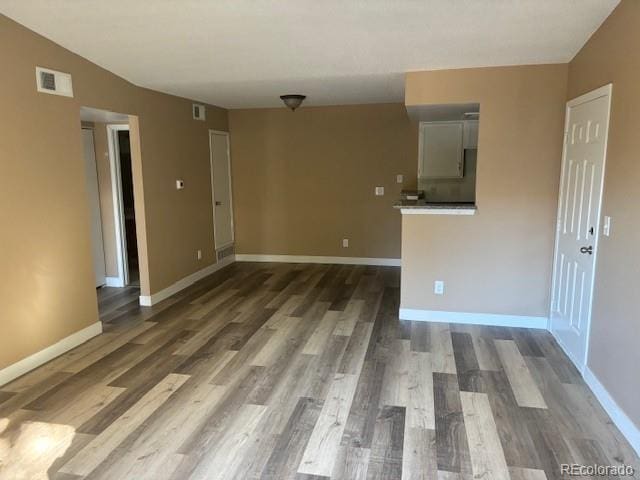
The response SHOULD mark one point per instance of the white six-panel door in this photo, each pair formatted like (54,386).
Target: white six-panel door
(221,189)
(587,126)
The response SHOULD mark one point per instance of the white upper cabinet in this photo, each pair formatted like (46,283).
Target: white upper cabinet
(471,134)
(441,150)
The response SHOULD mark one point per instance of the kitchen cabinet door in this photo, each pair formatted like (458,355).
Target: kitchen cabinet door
(441,150)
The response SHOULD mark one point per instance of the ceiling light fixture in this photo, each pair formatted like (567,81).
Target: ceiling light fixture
(292,101)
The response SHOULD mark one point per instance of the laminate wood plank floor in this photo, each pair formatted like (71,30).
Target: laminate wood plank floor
(297,371)
(115,302)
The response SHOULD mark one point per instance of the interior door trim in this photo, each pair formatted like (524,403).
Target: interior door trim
(213,195)
(118,203)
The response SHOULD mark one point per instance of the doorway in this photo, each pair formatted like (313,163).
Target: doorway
(124,204)
(113,191)
(122,196)
(578,221)
(221,190)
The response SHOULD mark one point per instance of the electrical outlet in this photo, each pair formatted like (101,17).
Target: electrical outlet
(379,191)
(199,254)
(438,287)
(345,243)
(399,178)
(179,184)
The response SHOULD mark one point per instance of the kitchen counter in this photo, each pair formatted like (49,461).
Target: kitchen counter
(423,207)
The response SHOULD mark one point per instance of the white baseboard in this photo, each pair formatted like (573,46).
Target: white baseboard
(148,300)
(624,423)
(626,426)
(386,262)
(113,282)
(619,418)
(494,319)
(43,356)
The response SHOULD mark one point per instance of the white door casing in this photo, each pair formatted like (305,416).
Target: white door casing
(93,199)
(578,222)
(118,205)
(221,189)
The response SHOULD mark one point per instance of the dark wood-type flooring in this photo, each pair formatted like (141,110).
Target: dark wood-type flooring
(114,303)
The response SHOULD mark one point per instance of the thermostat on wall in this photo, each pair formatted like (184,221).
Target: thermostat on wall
(179,184)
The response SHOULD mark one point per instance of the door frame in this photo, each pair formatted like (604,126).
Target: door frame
(605,90)
(118,207)
(213,195)
(95,167)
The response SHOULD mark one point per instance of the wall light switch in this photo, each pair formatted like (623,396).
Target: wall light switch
(199,255)
(399,178)
(438,287)
(179,184)
(379,191)
(606,226)
(345,243)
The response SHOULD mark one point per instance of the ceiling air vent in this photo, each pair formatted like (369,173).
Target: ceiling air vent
(198,112)
(51,81)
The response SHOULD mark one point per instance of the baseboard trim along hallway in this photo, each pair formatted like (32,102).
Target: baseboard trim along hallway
(492,319)
(380,262)
(149,300)
(43,356)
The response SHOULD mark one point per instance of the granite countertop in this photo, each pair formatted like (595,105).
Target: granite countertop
(415,206)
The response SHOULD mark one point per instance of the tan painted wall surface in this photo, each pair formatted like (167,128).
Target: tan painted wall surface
(304,180)
(611,56)
(46,290)
(498,261)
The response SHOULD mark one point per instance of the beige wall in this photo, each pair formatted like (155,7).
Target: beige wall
(304,180)
(500,260)
(46,290)
(611,56)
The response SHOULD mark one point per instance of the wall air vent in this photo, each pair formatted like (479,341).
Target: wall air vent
(48,80)
(198,112)
(54,82)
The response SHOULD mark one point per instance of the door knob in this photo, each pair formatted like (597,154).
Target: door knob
(588,250)
(218,203)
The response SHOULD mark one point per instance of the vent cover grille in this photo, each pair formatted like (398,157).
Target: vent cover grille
(53,82)
(48,80)
(198,112)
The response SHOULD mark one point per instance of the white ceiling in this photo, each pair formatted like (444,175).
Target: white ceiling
(245,53)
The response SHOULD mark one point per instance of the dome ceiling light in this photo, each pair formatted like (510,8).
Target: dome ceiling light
(292,101)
